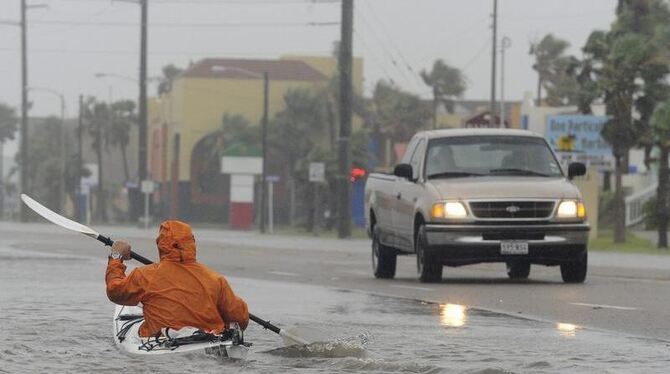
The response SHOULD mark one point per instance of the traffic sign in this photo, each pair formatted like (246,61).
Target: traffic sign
(272,178)
(148,186)
(317,172)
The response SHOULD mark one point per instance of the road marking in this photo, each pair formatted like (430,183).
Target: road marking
(284,273)
(412,287)
(598,306)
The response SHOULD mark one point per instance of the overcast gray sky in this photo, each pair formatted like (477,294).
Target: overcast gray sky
(73,40)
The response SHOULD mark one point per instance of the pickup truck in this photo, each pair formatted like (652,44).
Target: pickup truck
(467,196)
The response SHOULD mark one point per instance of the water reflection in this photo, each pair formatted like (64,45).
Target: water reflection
(453,315)
(566,329)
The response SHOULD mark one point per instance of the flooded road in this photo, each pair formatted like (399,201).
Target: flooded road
(55,318)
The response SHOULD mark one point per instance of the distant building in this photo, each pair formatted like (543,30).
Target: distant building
(181,120)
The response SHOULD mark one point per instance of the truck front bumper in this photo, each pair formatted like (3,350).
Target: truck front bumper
(548,244)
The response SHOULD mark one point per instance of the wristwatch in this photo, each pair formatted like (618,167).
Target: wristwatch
(115,255)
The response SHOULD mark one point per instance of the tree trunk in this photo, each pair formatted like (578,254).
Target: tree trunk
(124,155)
(434,108)
(2,180)
(101,214)
(619,203)
(539,89)
(292,208)
(291,191)
(662,198)
(331,125)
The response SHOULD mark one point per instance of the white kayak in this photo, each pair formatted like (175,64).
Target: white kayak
(127,321)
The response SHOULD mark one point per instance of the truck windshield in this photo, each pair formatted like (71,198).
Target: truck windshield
(490,155)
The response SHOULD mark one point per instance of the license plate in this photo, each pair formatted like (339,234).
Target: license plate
(513,248)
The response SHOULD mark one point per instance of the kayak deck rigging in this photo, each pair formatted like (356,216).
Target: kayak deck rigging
(230,343)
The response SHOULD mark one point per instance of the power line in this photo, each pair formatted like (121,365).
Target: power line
(384,30)
(458,34)
(476,55)
(163,52)
(384,48)
(381,67)
(247,2)
(180,24)
(226,2)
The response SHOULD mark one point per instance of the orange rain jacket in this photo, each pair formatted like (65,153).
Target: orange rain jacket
(176,292)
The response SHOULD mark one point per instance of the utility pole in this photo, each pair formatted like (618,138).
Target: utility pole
(264,144)
(504,44)
(80,159)
(25,188)
(492,110)
(62,190)
(2,180)
(142,159)
(344,156)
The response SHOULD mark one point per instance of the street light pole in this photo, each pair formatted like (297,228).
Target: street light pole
(264,144)
(25,188)
(142,107)
(23,152)
(494,51)
(505,44)
(80,159)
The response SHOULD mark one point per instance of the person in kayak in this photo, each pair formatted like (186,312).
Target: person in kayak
(178,291)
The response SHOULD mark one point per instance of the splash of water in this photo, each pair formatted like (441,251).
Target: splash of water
(353,346)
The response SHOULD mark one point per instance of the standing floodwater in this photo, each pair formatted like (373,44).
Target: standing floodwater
(56,318)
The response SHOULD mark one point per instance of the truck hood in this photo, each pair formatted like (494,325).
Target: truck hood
(505,187)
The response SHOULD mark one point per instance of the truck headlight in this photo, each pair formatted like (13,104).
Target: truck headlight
(571,209)
(450,209)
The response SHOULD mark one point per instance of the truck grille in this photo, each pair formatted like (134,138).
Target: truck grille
(511,209)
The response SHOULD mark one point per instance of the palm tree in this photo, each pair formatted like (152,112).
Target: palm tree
(170,73)
(398,113)
(447,83)
(99,117)
(549,60)
(123,118)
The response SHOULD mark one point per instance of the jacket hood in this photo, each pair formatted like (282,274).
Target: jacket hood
(176,242)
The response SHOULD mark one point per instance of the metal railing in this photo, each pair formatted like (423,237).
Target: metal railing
(635,204)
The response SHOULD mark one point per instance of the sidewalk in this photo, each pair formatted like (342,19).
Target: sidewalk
(602,263)
(215,236)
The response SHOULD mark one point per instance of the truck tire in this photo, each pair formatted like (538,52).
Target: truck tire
(427,264)
(575,271)
(383,258)
(518,269)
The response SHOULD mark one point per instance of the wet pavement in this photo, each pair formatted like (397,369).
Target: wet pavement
(56,318)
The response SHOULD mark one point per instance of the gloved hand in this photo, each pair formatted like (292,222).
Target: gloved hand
(121,249)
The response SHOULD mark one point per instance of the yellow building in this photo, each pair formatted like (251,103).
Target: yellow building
(193,109)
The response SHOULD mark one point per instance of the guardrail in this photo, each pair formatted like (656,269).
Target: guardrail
(635,204)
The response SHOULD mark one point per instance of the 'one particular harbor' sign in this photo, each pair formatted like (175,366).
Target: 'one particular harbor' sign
(578,138)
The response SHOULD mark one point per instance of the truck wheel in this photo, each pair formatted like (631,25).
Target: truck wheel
(383,258)
(518,269)
(427,264)
(575,272)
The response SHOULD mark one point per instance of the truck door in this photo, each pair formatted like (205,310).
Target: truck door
(407,193)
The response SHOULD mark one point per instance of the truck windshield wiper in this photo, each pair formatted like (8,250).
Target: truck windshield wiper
(454,174)
(518,171)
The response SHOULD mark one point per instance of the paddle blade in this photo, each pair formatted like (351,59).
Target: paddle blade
(291,339)
(56,218)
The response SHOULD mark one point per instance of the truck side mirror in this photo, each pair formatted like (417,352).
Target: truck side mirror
(576,169)
(403,171)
